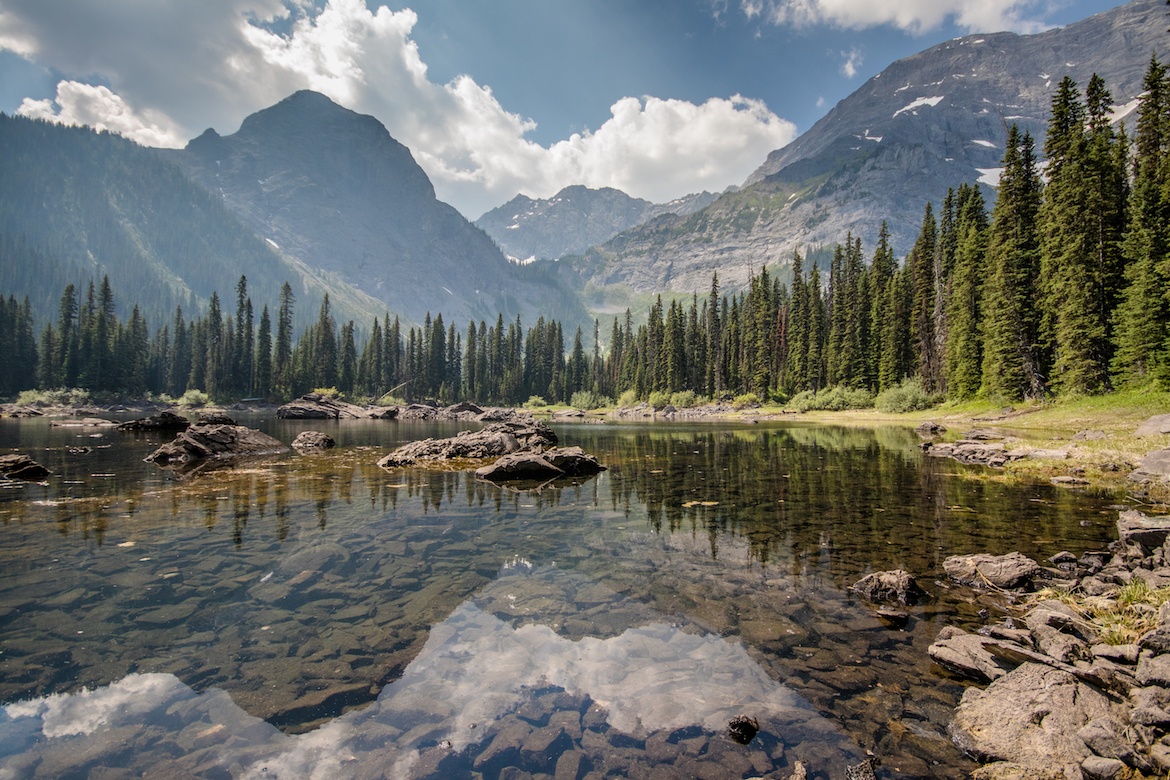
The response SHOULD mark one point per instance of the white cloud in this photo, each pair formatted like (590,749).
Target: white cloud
(915,16)
(852,61)
(101,109)
(173,69)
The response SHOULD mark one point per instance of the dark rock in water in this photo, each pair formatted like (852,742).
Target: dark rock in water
(215,417)
(23,411)
(313,440)
(889,587)
(553,463)
(743,729)
(163,421)
(504,438)
(1149,532)
(975,452)
(862,771)
(314,406)
(1013,570)
(965,654)
(206,442)
(930,429)
(18,466)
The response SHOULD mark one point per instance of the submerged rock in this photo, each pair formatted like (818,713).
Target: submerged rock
(553,463)
(503,438)
(307,441)
(163,421)
(889,587)
(19,466)
(1013,570)
(743,729)
(84,422)
(207,442)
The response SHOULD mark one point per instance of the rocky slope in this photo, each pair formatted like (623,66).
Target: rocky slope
(574,219)
(330,189)
(926,123)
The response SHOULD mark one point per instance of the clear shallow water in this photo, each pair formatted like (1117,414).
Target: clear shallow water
(302,616)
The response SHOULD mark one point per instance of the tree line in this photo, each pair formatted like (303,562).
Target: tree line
(1062,288)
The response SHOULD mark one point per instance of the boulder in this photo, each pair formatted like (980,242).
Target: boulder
(929,430)
(314,406)
(1138,528)
(889,587)
(964,654)
(307,441)
(1029,716)
(553,463)
(163,421)
(18,466)
(1157,425)
(209,442)
(1155,467)
(1013,570)
(215,417)
(492,441)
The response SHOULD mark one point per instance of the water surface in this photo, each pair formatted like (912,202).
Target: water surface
(316,615)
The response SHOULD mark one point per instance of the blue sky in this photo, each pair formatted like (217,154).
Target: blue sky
(493,97)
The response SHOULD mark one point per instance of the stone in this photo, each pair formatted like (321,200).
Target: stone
(163,421)
(1103,737)
(1098,768)
(19,466)
(742,729)
(1150,706)
(896,587)
(1009,770)
(205,442)
(1154,669)
(519,466)
(215,417)
(1134,527)
(930,429)
(964,654)
(977,453)
(494,440)
(314,406)
(84,422)
(1155,467)
(307,441)
(1013,570)
(1157,425)
(1127,654)
(1030,716)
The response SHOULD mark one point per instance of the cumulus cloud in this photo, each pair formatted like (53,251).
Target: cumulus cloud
(169,70)
(914,16)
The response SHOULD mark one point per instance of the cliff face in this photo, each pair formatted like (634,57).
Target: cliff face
(335,193)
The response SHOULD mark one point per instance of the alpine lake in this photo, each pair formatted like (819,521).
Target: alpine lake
(317,616)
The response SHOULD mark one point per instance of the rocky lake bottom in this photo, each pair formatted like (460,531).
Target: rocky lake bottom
(307,615)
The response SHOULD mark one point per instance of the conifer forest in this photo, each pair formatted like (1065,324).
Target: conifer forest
(1061,288)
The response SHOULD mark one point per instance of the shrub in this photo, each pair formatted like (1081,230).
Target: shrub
(72,396)
(327,392)
(746,400)
(587,399)
(659,399)
(627,399)
(535,402)
(684,399)
(908,396)
(194,398)
(833,399)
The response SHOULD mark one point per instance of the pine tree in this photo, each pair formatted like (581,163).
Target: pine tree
(964,346)
(1011,368)
(264,355)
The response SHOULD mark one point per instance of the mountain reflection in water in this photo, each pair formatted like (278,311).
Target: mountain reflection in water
(351,611)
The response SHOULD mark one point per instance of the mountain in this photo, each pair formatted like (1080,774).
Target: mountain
(926,123)
(77,205)
(331,189)
(574,219)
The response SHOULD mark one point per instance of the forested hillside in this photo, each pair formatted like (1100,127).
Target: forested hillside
(77,206)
